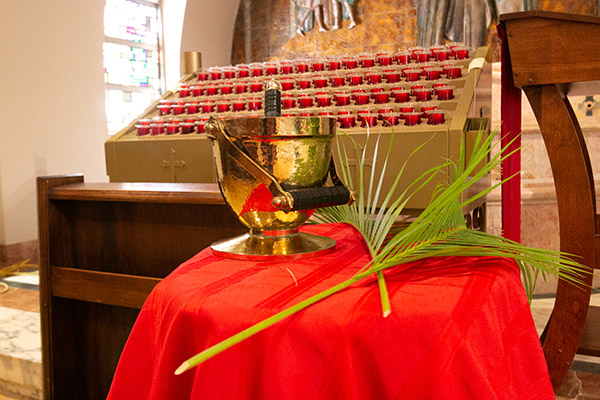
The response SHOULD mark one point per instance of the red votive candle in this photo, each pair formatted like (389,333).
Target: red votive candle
(361,98)
(390,119)
(432,74)
(208,106)
(381,97)
(412,118)
(445,92)
(142,129)
(391,76)
(425,109)
(305,101)
(288,102)
(197,90)
(401,96)
(413,88)
(373,77)
(271,69)
(346,121)
(243,71)
(382,110)
(172,127)
(422,56)
(369,120)
(228,72)
(412,75)
(215,73)
(408,108)
(178,107)
(256,69)
(342,99)
(366,61)
(187,126)
(318,65)
(323,100)
(164,107)
(452,72)
(256,86)
(461,53)
(240,86)
(157,127)
(442,54)
(337,80)
(226,88)
(349,62)
(423,94)
(254,104)
(384,59)
(200,124)
(184,90)
(320,81)
(286,67)
(223,106)
(211,90)
(202,75)
(402,57)
(354,79)
(287,83)
(192,107)
(303,82)
(436,117)
(302,66)
(333,64)
(238,104)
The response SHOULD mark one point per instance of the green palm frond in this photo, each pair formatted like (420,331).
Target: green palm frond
(439,230)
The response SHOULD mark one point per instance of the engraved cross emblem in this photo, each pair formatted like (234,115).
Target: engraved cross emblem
(173,163)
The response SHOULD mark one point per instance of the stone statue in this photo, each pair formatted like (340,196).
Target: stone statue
(323,13)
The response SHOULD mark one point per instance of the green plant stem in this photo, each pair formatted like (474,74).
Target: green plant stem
(385,296)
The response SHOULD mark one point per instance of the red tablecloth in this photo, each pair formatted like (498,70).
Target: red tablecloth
(460,328)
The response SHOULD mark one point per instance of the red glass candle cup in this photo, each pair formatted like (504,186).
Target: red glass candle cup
(303,82)
(333,64)
(461,53)
(342,99)
(354,79)
(382,110)
(369,120)
(157,127)
(288,102)
(302,66)
(408,108)
(337,80)
(271,69)
(287,83)
(384,59)
(423,94)
(426,108)
(366,61)
(361,98)
(318,65)
(142,129)
(401,96)
(256,69)
(349,62)
(197,90)
(445,92)
(243,71)
(391,76)
(216,73)
(390,119)
(402,57)
(286,67)
(422,56)
(255,86)
(184,90)
(319,81)
(223,106)
(178,107)
(187,126)
(373,77)
(376,90)
(164,107)
(323,100)
(192,107)
(442,54)
(415,87)
(436,117)
(226,88)
(211,90)
(432,74)
(240,86)
(452,72)
(346,121)
(208,106)
(412,118)
(200,124)
(412,75)
(172,127)
(254,104)
(202,75)
(238,105)
(381,97)
(229,72)
(305,101)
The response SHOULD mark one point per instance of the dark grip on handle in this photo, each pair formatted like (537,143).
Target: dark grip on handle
(307,199)
(272,103)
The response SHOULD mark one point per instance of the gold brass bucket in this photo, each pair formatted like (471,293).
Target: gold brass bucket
(271,172)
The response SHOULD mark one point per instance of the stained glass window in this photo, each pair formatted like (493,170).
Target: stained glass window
(131,59)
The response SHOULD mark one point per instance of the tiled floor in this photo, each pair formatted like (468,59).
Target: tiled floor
(20,369)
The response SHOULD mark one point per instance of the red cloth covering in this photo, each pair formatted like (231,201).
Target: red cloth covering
(460,328)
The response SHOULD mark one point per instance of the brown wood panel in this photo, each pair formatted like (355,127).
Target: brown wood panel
(549,48)
(102,287)
(590,339)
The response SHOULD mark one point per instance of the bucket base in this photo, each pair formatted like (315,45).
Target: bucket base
(273,248)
